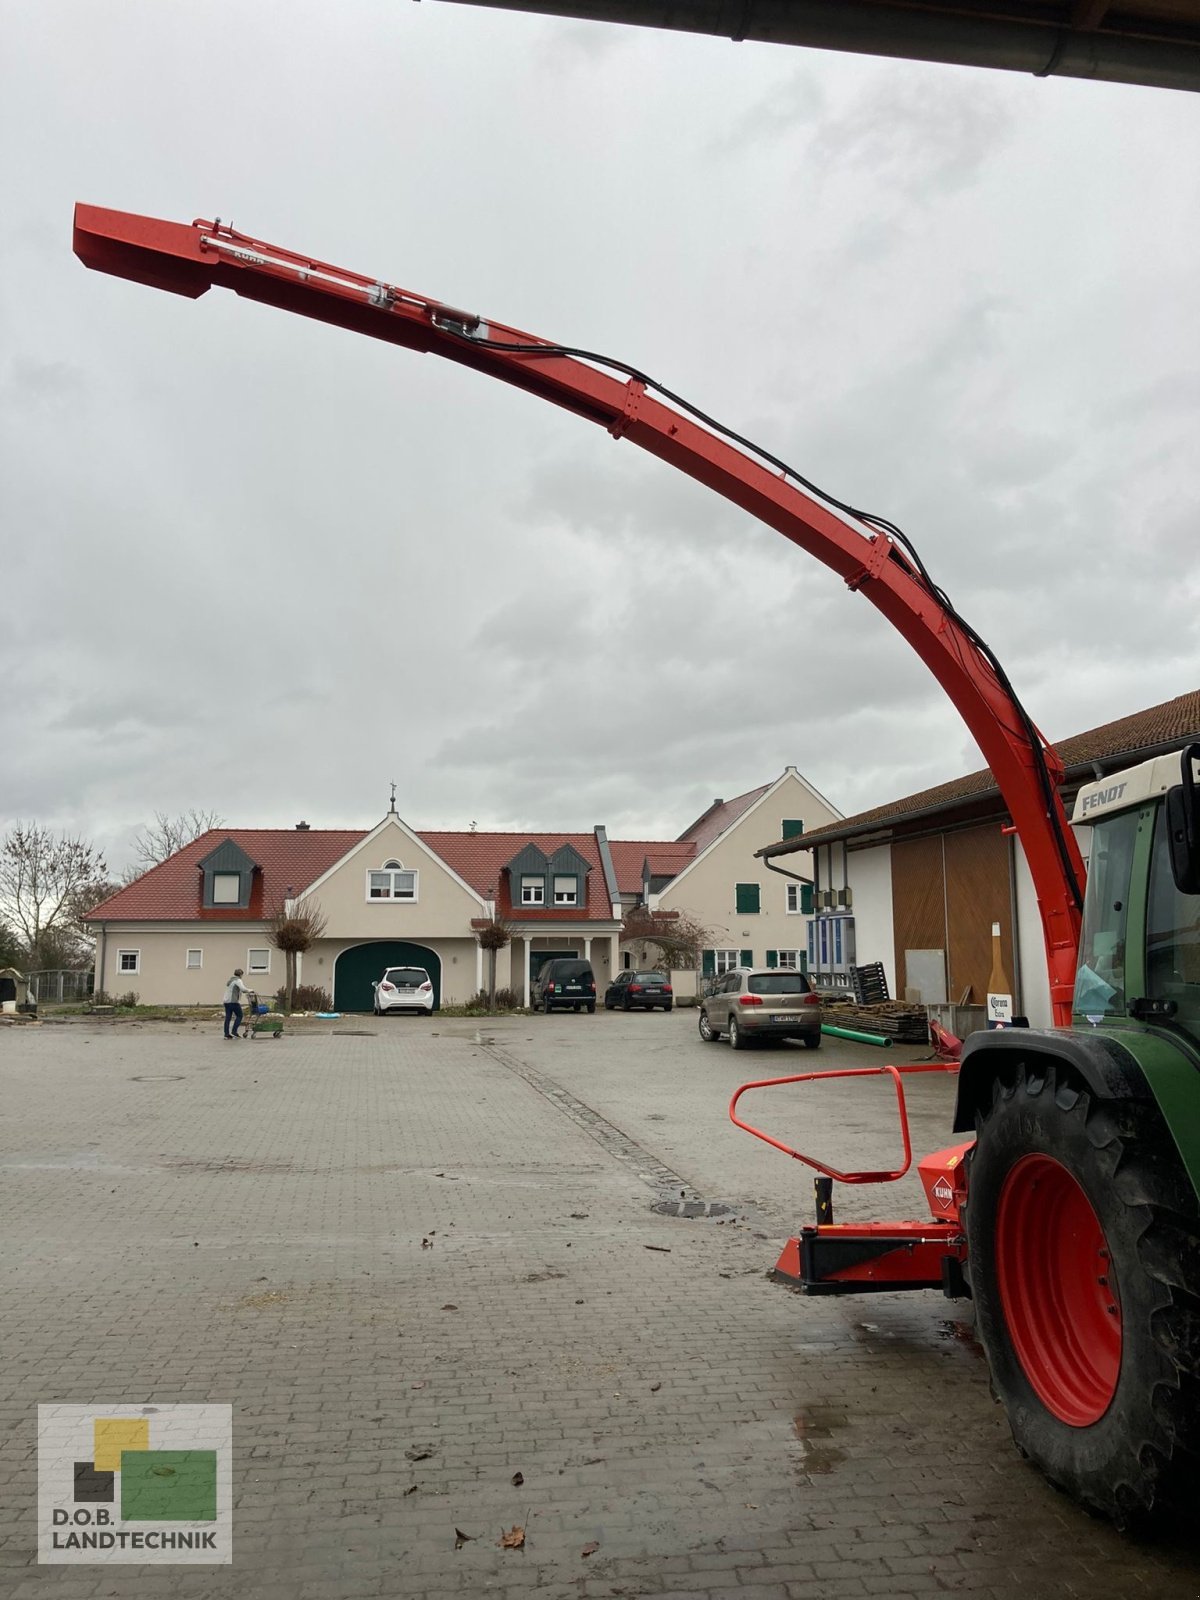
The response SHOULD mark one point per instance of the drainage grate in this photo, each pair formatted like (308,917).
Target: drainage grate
(692,1208)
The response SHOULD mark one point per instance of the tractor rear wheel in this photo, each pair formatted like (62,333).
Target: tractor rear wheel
(1084,1260)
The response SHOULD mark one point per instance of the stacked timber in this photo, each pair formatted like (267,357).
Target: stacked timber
(893,1019)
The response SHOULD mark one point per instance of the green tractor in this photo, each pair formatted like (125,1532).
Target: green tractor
(1081,1208)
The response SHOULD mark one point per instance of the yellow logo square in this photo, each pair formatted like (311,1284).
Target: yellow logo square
(114,1434)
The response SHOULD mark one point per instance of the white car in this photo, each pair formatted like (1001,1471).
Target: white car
(404,989)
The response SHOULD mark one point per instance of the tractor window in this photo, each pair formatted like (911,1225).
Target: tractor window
(1172,936)
(1100,980)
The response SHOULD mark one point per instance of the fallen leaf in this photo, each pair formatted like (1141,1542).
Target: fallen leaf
(590,1549)
(426,1244)
(461,1538)
(579,1216)
(422,1383)
(664,1249)
(518,1478)
(514,1539)
(449,1308)
(655,1387)
(412,1489)
(418,1452)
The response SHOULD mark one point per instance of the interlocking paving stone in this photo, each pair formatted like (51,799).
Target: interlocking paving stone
(432,1242)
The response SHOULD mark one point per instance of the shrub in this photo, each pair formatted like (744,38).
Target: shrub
(506,1000)
(308,997)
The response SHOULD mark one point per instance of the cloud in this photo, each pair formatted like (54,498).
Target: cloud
(238,541)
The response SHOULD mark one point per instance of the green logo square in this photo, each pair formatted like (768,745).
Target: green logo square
(169,1485)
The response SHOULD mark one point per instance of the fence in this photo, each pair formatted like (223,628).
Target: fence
(61,987)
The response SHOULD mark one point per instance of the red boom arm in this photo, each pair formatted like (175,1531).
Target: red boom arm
(189,260)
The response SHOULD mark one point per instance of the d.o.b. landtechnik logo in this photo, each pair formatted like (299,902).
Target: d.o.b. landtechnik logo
(146,1484)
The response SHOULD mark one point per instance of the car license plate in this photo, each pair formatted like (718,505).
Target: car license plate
(780,1016)
(571,988)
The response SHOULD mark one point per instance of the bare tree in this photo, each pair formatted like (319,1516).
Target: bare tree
(165,835)
(493,935)
(293,932)
(676,935)
(45,879)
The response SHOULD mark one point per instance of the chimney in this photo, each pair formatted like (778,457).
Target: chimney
(302,827)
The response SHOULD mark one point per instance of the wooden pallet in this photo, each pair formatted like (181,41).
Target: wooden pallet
(904,1024)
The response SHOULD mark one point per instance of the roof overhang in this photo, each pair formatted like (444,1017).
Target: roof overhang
(1155,43)
(977,806)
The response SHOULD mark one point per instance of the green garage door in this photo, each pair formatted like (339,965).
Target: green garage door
(357,971)
(539,958)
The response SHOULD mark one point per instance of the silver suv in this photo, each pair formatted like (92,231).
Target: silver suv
(761,1003)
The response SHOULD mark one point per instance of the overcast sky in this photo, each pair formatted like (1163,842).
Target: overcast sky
(262,567)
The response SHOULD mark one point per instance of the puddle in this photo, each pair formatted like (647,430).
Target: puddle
(813,1451)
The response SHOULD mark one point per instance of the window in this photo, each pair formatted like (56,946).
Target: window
(777,983)
(129,960)
(1172,935)
(227,888)
(1100,978)
(789,958)
(799,899)
(392,882)
(566,891)
(258,960)
(533,890)
(725,961)
(793,898)
(195,958)
(746,898)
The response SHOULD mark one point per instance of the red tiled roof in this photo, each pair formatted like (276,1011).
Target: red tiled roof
(480,858)
(629,856)
(1173,723)
(719,817)
(293,858)
(171,892)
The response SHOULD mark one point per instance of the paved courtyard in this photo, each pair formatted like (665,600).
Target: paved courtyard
(430,1265)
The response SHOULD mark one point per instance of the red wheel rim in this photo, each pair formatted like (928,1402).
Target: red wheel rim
(1058,1290)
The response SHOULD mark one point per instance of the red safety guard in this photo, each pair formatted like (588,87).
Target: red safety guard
(895,1073)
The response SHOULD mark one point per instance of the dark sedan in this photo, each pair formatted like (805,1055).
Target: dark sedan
(630,989)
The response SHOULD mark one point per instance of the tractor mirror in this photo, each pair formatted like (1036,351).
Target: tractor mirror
(1183,826)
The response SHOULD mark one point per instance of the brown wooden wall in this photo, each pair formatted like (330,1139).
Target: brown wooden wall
(947,890)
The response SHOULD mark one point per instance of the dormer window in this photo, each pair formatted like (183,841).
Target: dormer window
(566,891)
(228,878)
(392,881)
(533,890)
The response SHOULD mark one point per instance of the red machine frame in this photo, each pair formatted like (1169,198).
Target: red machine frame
(189,259)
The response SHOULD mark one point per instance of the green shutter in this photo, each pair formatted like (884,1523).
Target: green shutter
(772,958)
(806,899)
(804,961)
(708,963)
(746,898)
(747,958)
(791,829)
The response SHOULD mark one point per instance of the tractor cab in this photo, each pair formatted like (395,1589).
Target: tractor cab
(1139,951)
